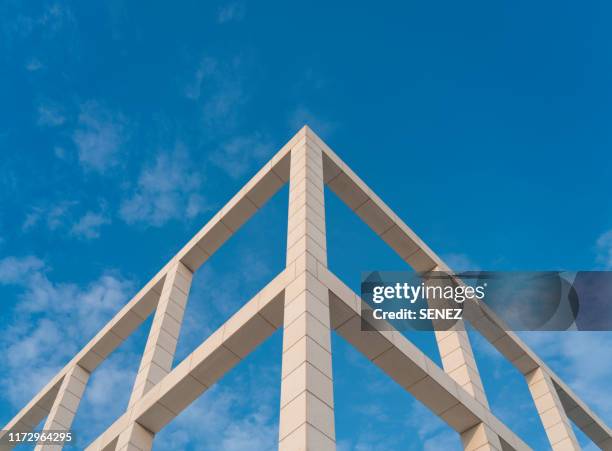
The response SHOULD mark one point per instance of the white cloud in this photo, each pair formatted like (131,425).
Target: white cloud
(229,418)
(61,216)
(114,376)
(217,85)
(50,115)
(221,91)
(447,440)
(55,17)
(248,274)
(432,431)
(48,22)
(580,359)
(88,226)
(50,321)
(604,249)
(168,189)
(52,217)
(238,156)
(99,137)
(231,12)
(13,269)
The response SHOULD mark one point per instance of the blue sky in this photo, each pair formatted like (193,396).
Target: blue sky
(485,126)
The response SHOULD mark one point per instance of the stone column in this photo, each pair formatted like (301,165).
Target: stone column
(159,351)
(66,404)
(307,400)
(552,414)
(459,363)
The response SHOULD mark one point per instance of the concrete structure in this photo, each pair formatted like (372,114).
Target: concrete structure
(308,301)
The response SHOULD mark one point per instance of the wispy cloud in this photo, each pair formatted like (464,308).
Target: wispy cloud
(88,226)
(49,21)
(433,433)
(62,217)
(231,12)
(249,274)
(55,17)
(229,418)
(51,320)
(50,115)
(52,217)
(206,69)
(168,189)
(604,249)
(218,86)
(239,155)
(115,375)
(446,440)
(577,357)
(99,137)
(220,107)
(13,269)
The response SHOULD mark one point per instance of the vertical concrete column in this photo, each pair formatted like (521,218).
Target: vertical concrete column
(159,351)
(307,400)
(552,414)
(66,403)
(480,438)
(459,363)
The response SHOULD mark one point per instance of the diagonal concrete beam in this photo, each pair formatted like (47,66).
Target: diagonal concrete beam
(412,369)
(238,210)
(163,337)
(526,361)
(203,245)
(199,371)
(412,249)
(552,413)
(65,405)
(159,350)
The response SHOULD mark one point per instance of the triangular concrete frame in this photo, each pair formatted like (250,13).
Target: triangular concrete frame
(309,301)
